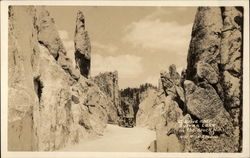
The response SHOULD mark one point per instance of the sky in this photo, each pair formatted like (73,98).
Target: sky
(138,42)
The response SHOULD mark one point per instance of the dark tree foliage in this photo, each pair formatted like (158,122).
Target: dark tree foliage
(130,92)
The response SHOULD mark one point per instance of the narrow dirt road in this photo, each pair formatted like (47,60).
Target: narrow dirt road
(117,139)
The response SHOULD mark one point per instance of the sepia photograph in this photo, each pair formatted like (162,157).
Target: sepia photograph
(125,79)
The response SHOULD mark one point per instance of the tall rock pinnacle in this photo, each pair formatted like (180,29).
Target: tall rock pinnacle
(82,46)
(205,44)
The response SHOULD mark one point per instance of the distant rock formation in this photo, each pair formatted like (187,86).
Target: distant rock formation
(49,104)
(208,95)
(82,46)
(132,97)
(108,83)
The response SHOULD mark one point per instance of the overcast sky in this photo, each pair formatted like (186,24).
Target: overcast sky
(138,42)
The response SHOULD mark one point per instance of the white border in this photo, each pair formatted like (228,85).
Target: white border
(4,79)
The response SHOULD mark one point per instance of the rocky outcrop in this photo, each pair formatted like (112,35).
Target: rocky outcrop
(231,60)
(206,100)
(49,106)
(167,127)
(48,36)
(203,102)
(219,58)
(169,109)
(63,115)
(160,111)
(82,46)
(21,95)
(171,83)
(205,43)
(108,83)
(150,108)
(131,98)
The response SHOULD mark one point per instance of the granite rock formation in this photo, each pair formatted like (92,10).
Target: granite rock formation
(170,108)
(48,36)
(132,97)
(108,84)
(206,100)
(161,111)
(82,46)
(50,104)
(149,109)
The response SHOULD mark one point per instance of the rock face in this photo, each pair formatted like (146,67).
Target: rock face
(202,110)
(108,83)
(82,46)
(132,97)
(21,94)
(149,109)
(170,102)
(48,36)
(203,102)
(50,104)
(231,60)
(171,83)
(205,42)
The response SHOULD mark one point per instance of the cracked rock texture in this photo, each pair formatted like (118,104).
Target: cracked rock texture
(211,87)
(50,104)
(206,99)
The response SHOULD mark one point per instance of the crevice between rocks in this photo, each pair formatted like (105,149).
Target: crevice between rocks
(38,86)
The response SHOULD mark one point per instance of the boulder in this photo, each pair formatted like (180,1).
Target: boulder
(204,103)
(207,72)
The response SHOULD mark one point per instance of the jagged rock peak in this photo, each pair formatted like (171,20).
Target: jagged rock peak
(48,37)
(80,20)
(47,33)
(82,46)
